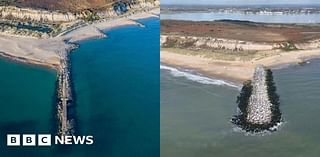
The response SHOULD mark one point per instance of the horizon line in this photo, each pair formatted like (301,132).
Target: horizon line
(210,4)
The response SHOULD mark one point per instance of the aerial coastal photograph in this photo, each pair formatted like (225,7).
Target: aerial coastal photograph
(239,78)
(80,68)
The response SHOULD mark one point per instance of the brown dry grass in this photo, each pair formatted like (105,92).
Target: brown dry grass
(243,30)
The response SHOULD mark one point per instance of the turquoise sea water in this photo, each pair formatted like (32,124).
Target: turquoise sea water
(195,117)
(26,101)
(117,87)
(116,82)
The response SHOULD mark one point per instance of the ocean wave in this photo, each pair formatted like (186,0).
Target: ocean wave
(263,133)
(196,77)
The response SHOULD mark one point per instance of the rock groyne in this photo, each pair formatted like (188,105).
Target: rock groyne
(65,97)
(258,103)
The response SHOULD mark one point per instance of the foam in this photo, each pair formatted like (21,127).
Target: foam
(196,77)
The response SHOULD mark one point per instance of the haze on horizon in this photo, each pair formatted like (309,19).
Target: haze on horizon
(239,2)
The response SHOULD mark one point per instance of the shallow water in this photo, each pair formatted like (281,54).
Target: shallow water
(26,100)
(116,82)
(195,117)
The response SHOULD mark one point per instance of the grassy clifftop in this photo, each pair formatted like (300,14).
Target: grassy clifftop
(67,5)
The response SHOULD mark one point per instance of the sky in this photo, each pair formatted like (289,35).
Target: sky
(237,2)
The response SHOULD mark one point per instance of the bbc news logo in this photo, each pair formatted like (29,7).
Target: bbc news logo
(46,140)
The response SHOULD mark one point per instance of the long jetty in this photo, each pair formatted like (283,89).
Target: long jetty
(258,103)
(64,97)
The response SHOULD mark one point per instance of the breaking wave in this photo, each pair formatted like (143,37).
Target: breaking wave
(196,77)
(262,133)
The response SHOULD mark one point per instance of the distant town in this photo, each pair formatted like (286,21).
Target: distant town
(248,9)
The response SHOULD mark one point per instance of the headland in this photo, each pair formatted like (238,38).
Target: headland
(231,49)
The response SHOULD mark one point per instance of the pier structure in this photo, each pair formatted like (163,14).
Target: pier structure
(64,97)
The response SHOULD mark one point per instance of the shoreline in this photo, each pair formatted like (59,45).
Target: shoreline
(53,53)
(47,52)
(195,76)
(30,62)
(235,71)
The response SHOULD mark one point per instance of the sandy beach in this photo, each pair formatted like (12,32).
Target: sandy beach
(46,51)
(235,71)
(231,50)
(31,50)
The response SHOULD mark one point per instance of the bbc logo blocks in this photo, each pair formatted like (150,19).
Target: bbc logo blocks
(28,140)
(13,140)
(44,140)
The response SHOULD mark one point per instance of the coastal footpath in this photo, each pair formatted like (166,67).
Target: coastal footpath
(258,103)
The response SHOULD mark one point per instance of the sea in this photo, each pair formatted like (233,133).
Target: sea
(266,18)
(196,112)
(116,85)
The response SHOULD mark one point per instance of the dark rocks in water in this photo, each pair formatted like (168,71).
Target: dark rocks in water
(303,62)
(258,104)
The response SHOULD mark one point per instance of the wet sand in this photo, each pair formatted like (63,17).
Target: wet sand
(47,52)
(235,71)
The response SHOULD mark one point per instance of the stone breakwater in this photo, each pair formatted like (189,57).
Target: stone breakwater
(259,107)
(65,98)
(258,103)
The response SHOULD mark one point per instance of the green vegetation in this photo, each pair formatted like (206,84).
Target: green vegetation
(178,43)
(228,55)
(288,46)
(92,17)
(188,46)
(7,2)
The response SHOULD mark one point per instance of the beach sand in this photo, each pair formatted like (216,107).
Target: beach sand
(46,51)
(32,50)
(235,71)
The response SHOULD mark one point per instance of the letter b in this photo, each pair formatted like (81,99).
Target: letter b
(13,140)
(28,140)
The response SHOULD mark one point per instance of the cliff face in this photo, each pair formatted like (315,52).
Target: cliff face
(70,14)
(7,12)
(65,5)
(73,5)
(212,43)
